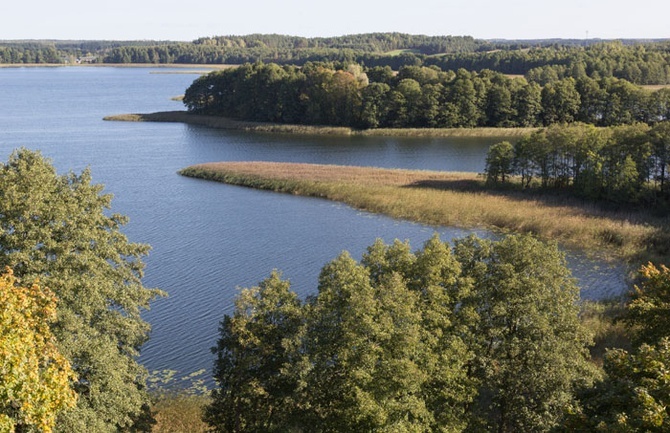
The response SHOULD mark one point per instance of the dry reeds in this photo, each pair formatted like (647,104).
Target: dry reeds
(226,123)
(457,199)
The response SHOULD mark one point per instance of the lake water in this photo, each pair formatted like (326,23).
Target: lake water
(209,239)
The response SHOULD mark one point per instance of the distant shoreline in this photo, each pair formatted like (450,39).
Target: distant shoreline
(226,123)
(117,65)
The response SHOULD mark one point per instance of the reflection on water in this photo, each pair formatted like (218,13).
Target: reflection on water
(208,239)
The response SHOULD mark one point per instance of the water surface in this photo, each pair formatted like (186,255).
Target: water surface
(207,238)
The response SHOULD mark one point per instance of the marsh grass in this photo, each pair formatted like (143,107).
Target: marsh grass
(179,413)
(226,123)
(178,404)
(459,199)
(602,319)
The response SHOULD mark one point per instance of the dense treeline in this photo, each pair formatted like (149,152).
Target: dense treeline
(30,53)
(62,51)
(481,336)
(639,64)
(371,49)
(624,164)
(368,42)
(418,97)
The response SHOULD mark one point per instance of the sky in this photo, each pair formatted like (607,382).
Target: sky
(180,20)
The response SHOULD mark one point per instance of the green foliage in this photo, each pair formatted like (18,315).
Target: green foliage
(633,397)
(256,357)
(649,307)
(623,164)
(499,161)
(432,341)
(417,97)
(35,377)
(55,228)
(529,345)
(634,394)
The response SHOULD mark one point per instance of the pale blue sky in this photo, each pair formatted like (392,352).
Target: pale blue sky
(188,20)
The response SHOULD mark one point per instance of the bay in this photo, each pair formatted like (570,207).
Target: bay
(209,239)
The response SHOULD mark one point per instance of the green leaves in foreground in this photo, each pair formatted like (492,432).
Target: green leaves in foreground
(56,228)
(481,336)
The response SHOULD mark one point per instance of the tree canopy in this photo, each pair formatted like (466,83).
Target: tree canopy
(439,340)
(56,228)
(418,97)
(35,377)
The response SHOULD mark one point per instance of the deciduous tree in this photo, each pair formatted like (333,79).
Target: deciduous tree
(57,228)
(34,376)
(257,359)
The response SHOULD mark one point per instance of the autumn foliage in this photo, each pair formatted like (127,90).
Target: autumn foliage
(34,376)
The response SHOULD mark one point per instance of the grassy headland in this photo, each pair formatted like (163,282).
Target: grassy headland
(226,123)
(459,199)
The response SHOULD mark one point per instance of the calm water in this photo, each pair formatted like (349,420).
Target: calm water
(209,239)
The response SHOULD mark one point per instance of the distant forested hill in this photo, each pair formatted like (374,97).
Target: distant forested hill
(542,61)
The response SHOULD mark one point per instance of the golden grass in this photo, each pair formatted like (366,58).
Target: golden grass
(180,413)
(458,199)
(226,123)
(601,318)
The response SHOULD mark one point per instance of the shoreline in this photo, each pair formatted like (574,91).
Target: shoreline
(212,66)
(240,125)
(460,200)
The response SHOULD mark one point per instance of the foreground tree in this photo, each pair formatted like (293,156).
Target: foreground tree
(649,308)
(35,377)
(56,228)
(485,338)
(530,347)
(634,396)
(364,345)
(257,356)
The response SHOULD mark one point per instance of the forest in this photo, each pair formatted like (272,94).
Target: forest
(624,165)
(418,97)
(478,336)
(640,62)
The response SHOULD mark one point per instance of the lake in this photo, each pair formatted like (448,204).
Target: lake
(209,239)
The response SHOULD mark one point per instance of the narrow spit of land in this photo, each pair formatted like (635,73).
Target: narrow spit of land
(226,123)
(458,199)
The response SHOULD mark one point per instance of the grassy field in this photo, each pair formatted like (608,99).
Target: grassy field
(226,123)
(459,199)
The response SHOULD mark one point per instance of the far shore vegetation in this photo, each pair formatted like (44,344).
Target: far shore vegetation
(460,199)
(219,122)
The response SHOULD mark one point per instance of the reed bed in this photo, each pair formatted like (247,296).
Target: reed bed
(459,199)
(226,123)
(180,413)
